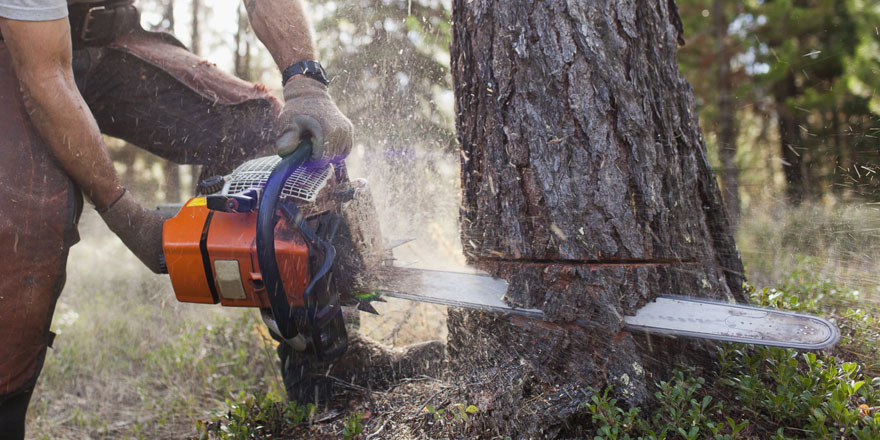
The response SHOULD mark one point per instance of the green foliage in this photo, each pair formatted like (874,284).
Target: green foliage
(783,388)
(687,411)
(354,425)
(259,416)
(765,392)
(808,68)
(459,412)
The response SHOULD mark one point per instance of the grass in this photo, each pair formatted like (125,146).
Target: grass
(131,362)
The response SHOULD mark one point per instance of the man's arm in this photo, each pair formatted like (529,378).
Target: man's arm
(41,54)
(285,30)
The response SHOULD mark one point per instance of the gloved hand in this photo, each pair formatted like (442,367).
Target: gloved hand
(140,229)
(309,111)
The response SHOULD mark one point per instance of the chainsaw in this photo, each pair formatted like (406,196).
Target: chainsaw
(279,234)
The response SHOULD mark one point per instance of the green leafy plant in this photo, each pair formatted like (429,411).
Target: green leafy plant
(459,412)
(765,392)
(354,425)
(256,416)
(685,412)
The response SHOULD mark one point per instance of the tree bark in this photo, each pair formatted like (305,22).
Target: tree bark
(727,129)
(586,185)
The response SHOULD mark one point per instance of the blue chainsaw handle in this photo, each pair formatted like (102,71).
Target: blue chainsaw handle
(266,237)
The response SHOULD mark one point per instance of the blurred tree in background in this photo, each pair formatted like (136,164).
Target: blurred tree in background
(720,86)
(825,127)
(389,66)
(811,68)
(389,61)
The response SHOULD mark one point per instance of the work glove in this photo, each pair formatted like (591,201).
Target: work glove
(309,112)
(140,229)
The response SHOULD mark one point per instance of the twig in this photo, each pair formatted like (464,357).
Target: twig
(349,384)
(380,428)
(419,410)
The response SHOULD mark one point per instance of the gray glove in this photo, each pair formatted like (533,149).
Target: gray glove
(140,229)
(309,111)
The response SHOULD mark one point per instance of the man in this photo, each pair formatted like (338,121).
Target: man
(64,81)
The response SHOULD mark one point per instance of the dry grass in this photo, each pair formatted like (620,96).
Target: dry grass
(843,241)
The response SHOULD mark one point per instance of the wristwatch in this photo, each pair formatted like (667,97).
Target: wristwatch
(309,68)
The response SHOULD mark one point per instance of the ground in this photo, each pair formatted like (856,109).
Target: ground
(132,362)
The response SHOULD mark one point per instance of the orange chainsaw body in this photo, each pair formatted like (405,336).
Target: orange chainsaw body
(212,257)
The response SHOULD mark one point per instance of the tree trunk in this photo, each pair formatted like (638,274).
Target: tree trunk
(171,175)
(727,130)
(195,34)
(242,60)
(790,142)
(196,48)
(586,186)
(168,16)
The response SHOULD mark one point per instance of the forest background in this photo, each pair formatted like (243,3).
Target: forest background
(787,96)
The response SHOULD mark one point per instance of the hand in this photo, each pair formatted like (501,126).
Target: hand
(309,112)
(140,229)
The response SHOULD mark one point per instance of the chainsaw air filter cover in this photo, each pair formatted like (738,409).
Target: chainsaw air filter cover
(304,184)
(211,254)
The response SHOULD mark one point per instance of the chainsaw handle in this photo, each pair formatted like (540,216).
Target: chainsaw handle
(266,236)
(326,325)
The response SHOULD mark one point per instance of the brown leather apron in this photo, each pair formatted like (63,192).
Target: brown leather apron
(144,88)
(37,226)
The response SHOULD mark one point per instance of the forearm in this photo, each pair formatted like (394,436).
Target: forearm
(68,127)
(284,29)
(309,112)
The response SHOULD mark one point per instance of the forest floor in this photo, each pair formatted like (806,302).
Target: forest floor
(131,362)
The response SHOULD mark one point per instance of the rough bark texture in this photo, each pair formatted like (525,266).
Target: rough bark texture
(586,185)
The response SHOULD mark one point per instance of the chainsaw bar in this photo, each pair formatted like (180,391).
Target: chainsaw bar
(707,319)
(667,315)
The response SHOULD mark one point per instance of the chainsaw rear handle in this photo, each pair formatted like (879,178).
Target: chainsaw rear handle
(327,329)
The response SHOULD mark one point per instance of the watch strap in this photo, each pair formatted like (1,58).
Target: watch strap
(309,68)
